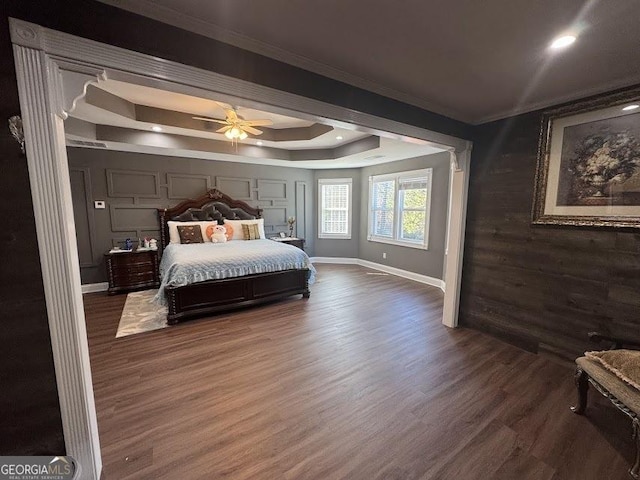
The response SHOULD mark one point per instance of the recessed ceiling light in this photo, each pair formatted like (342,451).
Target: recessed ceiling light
(339,137)
(259,143)
(562,42)
(156,128)
(631,107)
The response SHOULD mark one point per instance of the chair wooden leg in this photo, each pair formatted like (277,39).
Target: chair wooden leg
(582,382)
(635,470)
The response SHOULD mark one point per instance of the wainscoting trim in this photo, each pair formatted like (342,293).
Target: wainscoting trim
(416,277)
(95,287)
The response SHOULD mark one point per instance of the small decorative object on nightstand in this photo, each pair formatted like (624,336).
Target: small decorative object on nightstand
(296,242)
(132,270)
(291,221)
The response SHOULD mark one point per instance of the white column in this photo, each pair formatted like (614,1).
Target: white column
(455,239)
(51,193)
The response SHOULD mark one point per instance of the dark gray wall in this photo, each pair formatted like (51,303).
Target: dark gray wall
(134,185)
(329,247)
(425,262)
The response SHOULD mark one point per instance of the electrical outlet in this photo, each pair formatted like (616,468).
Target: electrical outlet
(384,255)
(99,204)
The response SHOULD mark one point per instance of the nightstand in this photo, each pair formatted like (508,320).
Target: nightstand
(296,242)
(132,270)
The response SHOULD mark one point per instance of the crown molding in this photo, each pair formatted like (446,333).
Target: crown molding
(555,101)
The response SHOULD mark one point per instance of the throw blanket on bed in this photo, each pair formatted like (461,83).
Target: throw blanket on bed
(185,264)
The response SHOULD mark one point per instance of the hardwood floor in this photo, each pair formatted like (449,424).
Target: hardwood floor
(361,381)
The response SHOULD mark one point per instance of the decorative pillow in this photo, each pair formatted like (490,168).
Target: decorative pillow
(174,237)
(625,364)
(250,231)
(236,225)
(190,234)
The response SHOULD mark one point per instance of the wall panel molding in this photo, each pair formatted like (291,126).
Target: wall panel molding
(301,207)
(127,218)
(272,189)
(238,188)
(186,185)
(130,184)
(275,217)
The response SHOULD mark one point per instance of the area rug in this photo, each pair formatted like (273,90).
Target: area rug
(141,314)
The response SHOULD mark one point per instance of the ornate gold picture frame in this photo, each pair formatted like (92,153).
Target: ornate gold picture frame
(588,171)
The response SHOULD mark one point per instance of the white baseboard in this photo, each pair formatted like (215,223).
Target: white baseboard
(335,260)
(95,287)
(416,277)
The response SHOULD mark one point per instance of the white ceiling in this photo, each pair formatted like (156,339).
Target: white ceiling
(471,60)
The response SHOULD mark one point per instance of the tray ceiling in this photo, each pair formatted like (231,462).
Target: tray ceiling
(122,116)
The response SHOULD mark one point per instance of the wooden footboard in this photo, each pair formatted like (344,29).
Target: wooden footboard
(213,296)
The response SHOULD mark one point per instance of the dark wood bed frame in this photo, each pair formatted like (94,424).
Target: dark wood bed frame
(202,298)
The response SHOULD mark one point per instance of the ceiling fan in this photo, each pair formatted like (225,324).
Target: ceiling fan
(235,127)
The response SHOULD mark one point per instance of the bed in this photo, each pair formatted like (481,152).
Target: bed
(201,279)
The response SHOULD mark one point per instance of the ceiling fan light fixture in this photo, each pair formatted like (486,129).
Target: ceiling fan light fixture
(235,127)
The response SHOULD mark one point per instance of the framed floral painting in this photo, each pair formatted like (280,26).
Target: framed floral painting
(589,164)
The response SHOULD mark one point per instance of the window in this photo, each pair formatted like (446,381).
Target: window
(334,208)
(399,207)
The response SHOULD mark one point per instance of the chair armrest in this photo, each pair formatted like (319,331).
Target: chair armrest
(616,342)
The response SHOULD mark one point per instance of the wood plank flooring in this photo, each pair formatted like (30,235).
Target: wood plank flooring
(361,381)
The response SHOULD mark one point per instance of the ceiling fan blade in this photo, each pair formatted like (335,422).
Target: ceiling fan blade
(224,106)
(257,123)
(223,129)
(232,116)
(251,130)
(224,122)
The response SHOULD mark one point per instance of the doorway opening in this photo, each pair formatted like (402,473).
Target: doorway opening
(53,75)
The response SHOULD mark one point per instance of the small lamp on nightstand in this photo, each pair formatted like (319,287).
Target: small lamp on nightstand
(291,221)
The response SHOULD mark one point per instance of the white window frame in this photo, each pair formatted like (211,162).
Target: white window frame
(398,177)
(335,181)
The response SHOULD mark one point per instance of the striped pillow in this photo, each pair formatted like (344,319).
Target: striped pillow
(250,231)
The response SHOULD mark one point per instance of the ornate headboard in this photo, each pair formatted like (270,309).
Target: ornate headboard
(213,205)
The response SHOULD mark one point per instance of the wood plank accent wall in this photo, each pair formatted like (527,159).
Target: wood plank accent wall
(540,287)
